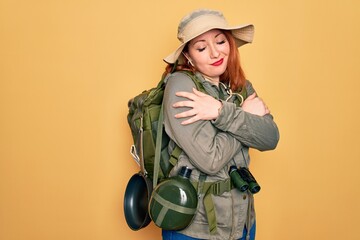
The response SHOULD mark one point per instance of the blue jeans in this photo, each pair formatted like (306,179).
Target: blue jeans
(173,235)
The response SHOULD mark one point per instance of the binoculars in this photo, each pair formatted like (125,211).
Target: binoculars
(243,179)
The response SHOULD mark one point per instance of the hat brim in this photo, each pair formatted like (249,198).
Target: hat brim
(243,34)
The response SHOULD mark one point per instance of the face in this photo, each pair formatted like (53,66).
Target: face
(209,53)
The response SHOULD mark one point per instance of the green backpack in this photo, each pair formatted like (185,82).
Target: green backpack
(150,148)
(145,119)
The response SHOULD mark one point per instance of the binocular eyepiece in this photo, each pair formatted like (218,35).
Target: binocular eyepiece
(243,179)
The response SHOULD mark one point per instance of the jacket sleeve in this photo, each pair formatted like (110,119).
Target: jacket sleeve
(208,148)
(253,131)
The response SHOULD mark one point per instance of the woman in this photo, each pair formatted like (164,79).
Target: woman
(213,132)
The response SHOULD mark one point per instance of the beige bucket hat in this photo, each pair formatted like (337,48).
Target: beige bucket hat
(203,20)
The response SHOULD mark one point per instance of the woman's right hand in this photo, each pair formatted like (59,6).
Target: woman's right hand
(255,105)
(202,106)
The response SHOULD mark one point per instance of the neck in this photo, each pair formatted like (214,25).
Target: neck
(213,80)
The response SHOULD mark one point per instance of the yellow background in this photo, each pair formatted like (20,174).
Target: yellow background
(68,68)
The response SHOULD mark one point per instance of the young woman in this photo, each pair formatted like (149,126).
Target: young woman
(213,132)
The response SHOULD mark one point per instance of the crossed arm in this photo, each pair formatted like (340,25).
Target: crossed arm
(205,107)
(211,137)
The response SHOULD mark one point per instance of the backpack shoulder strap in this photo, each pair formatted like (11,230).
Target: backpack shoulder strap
(158,146)
(174,156)
(177,150)
(196,80)
(159,136)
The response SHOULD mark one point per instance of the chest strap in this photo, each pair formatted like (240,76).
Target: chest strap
(217,189)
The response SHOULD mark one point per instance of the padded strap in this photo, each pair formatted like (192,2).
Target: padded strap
(197,82)
(174,157)
(216,188)
(210,212)
(159,136)
(158,146)
(213,188)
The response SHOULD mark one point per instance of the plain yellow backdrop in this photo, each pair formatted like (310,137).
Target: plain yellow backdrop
(68,68)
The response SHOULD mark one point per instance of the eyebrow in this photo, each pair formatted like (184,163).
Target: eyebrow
(202,40)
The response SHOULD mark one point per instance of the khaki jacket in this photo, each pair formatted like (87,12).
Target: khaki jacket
(212,147)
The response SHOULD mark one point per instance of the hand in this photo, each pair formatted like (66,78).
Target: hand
(255,105)
(203,106)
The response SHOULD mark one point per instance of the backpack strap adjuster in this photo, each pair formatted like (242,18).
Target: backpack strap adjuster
(218,188)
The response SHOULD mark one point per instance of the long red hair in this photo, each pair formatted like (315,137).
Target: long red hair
(233,75)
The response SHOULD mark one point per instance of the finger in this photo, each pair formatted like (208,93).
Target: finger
(188,95)
(189,113)
(190,120)
(198,93)
(183,104)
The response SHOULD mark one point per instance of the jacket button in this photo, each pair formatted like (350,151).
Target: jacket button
(244,197)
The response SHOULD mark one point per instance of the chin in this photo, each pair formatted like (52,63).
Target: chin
(214,73)
(218,73)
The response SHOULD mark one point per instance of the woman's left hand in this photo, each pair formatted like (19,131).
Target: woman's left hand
(203,106)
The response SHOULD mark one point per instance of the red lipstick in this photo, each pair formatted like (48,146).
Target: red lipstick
(218,63)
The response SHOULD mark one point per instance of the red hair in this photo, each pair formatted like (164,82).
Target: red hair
(233,75)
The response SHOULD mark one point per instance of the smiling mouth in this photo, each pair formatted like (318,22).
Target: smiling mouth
(218,63)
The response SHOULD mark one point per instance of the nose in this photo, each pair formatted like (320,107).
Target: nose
(214,52)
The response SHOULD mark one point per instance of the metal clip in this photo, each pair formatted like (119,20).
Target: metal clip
(134,154)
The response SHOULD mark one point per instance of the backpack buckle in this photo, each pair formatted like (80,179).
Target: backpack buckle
(220,187)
